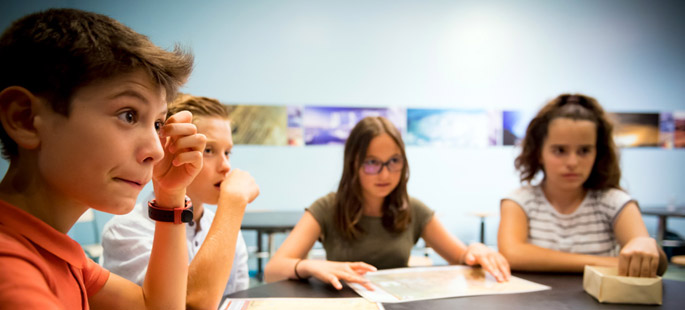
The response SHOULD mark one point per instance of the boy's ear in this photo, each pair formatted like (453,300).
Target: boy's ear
(17,114)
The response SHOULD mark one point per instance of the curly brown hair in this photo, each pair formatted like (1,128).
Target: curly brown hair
(56,52)
(349,199)
(606,172)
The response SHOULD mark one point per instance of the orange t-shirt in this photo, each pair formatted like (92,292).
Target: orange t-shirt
(42,268)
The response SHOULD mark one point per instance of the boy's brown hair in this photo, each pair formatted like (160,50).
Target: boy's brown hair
(198,106)
(55,52)
(606,172)
(349,198)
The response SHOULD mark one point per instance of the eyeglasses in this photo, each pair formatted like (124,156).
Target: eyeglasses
(375,166)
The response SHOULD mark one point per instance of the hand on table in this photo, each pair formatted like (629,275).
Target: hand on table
(334,272)
(491,261)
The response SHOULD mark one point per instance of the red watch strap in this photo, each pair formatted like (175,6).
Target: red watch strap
(177,215)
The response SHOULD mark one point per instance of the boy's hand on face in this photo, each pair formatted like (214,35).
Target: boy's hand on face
(239,185)
(182,160)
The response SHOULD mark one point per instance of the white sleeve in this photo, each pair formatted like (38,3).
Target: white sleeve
(127,244)
(614,200)
(523,197)
(240,276)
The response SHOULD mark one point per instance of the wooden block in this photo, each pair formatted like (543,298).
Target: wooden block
(607,286)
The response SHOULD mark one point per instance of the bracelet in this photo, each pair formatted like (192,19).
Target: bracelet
(295,269)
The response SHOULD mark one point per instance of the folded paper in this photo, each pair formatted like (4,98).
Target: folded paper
(607,286)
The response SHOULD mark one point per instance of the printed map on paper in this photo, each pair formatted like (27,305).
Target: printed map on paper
(300,304)
(410,284)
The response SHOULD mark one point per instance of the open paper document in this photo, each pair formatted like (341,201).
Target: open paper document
(300,304)
(410,284)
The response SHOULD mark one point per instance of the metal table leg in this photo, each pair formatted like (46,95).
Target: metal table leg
(260,272)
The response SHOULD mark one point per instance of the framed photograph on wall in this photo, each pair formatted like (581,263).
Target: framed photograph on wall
(679,129)
(666,130)
(259,124)
(332,125)
(295,129)
(514,125)
(636,129)
(447,127)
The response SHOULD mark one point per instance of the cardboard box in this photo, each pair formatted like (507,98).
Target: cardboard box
(607,286)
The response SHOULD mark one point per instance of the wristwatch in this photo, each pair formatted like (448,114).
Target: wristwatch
(175,215)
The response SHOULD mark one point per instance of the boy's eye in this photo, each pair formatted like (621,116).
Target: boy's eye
(227,153)
(128,116)
(209,151)
(558,150)
(158,125)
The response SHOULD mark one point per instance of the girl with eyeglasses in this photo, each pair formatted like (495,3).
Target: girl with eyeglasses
(577,214)
(371,222)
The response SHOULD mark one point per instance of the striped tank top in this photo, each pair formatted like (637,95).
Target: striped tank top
(588,230)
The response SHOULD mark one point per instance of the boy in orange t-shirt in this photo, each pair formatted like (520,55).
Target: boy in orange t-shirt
(83,103)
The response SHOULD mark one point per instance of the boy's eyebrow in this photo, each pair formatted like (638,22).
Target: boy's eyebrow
(215,141)
(137,95)
(130,93)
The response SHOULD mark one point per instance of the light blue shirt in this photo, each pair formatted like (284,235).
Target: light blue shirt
(127,242)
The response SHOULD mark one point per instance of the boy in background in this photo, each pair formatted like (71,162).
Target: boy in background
(217,251)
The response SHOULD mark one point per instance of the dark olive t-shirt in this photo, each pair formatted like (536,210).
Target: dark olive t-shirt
(377,246)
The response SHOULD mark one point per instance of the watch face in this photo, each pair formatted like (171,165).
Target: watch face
(187,215)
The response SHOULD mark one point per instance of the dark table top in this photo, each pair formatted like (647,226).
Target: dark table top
(566,293)
(271,220)
(677,212)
